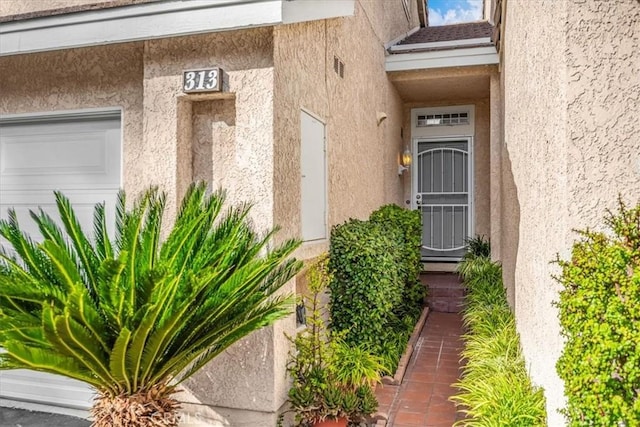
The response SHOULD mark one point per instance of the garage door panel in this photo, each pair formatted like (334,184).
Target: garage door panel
(83,204)
(19,385)
(71,155)
(81,158)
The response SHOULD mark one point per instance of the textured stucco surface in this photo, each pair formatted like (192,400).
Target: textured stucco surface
(362,155)
(535,128)
(443,85)
(603,97)
(169,139)
(103,77)
(495,164)
(9,7)
(571,146)
(228,142)
(246,58)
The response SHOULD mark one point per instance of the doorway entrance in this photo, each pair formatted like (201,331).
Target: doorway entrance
(442,191)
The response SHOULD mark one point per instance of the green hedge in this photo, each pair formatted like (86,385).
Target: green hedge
(600,319)
(376,296)
(366,283)
(408,224)
(495,389)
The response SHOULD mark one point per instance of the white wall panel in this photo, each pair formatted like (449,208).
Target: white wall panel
(313,178)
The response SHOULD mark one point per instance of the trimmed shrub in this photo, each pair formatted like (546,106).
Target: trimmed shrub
(376,296)
(408,224)
(600,319)
(495,389)
(366,281)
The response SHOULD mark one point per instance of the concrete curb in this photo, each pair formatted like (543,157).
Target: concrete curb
(406,356)
(398,377)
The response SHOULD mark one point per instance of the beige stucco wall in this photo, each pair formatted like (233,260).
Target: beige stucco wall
(571,146)
(362,155)
(535,156)
(9,7)
(169,139)
(246,58)
(76,80)
(603,97)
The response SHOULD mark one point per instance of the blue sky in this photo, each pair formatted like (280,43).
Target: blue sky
(443,12)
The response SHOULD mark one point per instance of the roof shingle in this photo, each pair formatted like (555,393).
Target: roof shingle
(470,30)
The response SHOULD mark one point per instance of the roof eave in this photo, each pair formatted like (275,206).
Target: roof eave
(412,47)
(159,20)
(459,57)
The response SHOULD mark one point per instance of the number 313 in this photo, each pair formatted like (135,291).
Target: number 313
(201,80)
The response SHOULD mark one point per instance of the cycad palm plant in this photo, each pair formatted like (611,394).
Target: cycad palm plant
(135,315)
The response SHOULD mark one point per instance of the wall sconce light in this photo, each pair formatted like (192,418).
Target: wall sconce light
(405,161)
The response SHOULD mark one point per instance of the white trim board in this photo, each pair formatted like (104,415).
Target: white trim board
(432,45)
(87,113)
(463,57)
(158,20)
(39,407)
(400,38)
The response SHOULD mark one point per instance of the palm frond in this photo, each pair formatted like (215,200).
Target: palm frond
(21,356)
(104,248)
(132,312)
(32,259)
(84,250)
(118,359)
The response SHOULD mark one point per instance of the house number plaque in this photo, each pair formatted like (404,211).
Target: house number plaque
(205,80)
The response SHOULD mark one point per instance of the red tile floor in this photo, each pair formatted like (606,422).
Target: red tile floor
(422,398)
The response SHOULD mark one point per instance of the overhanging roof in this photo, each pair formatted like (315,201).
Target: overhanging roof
(442,59)
(159,19)
(457,45)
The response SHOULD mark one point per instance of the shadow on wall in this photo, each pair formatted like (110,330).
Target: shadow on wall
(510,238)
(214,137)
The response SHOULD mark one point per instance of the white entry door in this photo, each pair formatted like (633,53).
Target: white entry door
(442,185)
(81,157)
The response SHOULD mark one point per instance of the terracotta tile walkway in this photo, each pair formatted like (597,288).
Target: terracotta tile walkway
(422,398)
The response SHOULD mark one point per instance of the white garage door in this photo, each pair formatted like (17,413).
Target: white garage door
(79,155)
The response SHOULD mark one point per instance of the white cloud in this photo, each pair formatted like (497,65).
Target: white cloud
(463,11)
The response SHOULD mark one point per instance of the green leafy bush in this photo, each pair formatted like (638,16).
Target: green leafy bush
(478,246)
(495,389)
(478,250)
(331,379)
(408,224)
(600,319)
(366,280)
(376,295)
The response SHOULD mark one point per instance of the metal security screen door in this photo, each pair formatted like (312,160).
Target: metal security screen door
(442,191)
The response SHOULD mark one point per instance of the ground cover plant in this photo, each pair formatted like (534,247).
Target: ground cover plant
(331,380)
(135,315)
(495,389)
(600,318)
(376,296)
